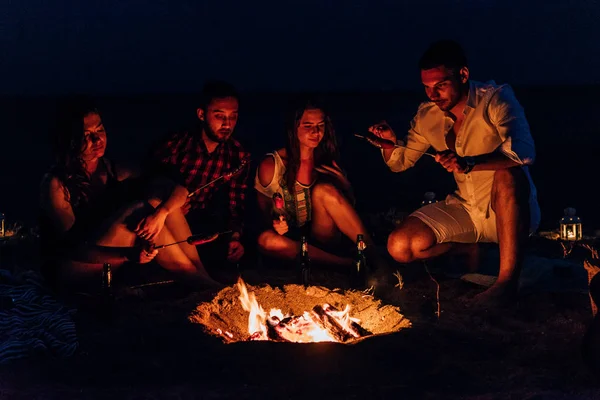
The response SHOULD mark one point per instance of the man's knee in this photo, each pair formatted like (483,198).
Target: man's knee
(407,242)
(399,246)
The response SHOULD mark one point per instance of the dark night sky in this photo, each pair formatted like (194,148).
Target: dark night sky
(122,46)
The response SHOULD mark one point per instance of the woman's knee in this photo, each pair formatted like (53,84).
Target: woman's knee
(269,241)
(326,193)
(155,201)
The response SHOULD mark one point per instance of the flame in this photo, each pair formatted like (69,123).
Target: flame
(256,321)
(315,332)
(301,329)
(343,318)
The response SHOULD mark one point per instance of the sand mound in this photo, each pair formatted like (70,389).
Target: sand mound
(224,316)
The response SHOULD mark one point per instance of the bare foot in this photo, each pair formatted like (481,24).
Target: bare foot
(498,295)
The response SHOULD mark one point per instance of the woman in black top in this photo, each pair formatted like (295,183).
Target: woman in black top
(92,209)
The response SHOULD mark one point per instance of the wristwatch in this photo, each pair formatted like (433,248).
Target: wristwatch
(470,161)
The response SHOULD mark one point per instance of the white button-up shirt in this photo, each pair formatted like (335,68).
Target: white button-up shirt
(494,120)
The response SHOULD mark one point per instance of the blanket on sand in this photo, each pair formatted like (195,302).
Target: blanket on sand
(32,321)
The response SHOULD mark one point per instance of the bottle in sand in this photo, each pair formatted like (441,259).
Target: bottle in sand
(360,264)
(303,263)
(107,291)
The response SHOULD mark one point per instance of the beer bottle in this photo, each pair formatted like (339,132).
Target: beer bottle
(279,212)
(360,263)
(106,280)
(107,292)
(303,263)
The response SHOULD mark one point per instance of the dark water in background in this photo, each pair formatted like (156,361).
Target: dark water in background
(564,122)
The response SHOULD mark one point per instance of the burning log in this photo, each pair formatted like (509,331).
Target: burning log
(322,324)
(352,326)
(297,329)
(329,324)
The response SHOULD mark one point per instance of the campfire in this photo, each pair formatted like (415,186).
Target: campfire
(296,314)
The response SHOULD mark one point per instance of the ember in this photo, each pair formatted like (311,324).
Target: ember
(296,314)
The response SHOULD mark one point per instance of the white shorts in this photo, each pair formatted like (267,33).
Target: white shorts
(453,223)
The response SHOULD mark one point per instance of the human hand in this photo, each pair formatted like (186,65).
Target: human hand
(149,227)
(147,254)
(281,225)
(451,161)
(235,251)
(383,130)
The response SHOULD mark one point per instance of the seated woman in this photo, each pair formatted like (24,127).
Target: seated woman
(94,212)
(315,190)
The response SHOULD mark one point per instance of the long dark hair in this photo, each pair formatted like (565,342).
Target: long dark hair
(68,145)
(325,153)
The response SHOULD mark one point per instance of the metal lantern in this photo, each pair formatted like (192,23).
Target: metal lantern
(570,225)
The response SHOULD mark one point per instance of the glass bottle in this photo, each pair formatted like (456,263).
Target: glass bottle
(360,263)
(303,263)
(107,295)
(279,212)
(106,280)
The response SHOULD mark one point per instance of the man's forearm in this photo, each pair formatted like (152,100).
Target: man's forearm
(387,153)
(493,162)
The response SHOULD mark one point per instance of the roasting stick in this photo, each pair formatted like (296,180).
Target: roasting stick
(194,240)
(224,176)
(388,144)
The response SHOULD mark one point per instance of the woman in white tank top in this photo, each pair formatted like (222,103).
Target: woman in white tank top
(316,193)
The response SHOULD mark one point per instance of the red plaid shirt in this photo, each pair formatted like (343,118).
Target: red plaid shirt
(187,153)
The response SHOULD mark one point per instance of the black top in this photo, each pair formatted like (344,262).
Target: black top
(89,216)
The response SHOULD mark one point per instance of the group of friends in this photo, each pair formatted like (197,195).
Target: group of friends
(95,211)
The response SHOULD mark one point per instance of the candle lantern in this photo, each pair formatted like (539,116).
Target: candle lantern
(2,229)
(429,198)
(570,225)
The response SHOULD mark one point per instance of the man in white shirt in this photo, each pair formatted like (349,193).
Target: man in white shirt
(481,135)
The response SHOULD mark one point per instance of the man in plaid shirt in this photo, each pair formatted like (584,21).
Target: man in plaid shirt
(196,157)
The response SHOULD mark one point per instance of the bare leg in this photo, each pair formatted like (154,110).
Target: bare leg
(113,245)
(510,202)
(182,258)
(331,214)
(413,240)
(275,245)
(117,241)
